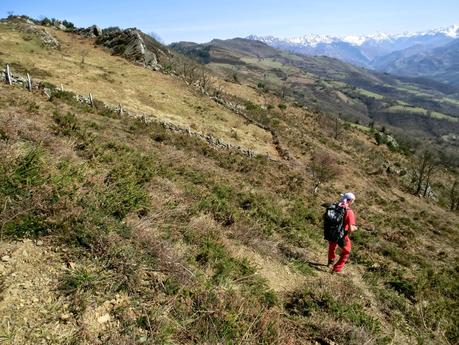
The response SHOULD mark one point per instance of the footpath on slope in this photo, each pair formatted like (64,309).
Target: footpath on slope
(284,279)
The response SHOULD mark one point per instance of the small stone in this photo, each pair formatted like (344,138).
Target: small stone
(65,316)
(39,243)
(6,258)
(104,318)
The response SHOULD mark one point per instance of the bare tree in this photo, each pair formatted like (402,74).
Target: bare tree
(323,169)
(338,127)
(205,80)
(283,91)
(424,167)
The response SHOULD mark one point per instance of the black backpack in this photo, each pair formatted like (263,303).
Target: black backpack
(334,223)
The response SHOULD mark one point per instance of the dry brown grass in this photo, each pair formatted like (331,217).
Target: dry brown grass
(117,81)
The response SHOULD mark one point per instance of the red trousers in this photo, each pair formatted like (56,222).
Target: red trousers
(345,251)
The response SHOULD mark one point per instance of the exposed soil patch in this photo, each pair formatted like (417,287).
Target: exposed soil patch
(33,312)
(279,276)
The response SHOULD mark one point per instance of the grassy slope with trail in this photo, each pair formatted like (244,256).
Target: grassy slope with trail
(153,236)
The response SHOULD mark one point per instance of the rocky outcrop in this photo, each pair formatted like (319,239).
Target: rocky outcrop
(91,32)
(59,25)
(26,25)
(135,46)
(44,36)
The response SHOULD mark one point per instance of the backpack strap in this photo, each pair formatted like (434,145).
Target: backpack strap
(344,221)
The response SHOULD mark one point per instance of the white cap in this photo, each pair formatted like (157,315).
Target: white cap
(347,196)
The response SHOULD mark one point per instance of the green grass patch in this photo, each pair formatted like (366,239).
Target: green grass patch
(370,94)
(310,304)
(227,269)
(451,100)
(420,111)
(302,267)
(65,124)
(78,280)
(18,176)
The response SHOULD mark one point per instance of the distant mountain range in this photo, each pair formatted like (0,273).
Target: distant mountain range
(422,107)
(380,51)
(440,64)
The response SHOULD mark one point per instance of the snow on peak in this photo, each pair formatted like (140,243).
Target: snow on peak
(355,40)
(312,40)
(452,31)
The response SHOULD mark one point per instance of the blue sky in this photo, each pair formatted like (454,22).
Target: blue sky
(200,21)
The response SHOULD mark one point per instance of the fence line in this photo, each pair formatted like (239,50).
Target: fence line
(8,75)
(144,118)
(29,82)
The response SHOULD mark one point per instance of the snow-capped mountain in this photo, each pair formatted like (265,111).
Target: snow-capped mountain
(362,50)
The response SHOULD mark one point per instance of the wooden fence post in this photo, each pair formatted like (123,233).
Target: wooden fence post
(91,100)
(62,87)
(120,111)
(29,82)
(8,75)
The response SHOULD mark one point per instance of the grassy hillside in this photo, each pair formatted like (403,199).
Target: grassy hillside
(81,68)
(114,231)
(332,86)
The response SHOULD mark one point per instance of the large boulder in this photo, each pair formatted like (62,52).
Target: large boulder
(58,25)
(91,32)
(97,31)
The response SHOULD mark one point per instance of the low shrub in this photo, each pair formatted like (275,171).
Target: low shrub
(308,303)
(65,125)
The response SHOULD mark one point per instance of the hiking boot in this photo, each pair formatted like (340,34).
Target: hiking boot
(330,263)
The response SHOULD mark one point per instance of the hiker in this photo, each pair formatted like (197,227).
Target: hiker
(345,243)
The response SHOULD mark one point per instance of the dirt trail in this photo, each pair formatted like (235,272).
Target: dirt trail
(280,277)
(354,273)
(31,310)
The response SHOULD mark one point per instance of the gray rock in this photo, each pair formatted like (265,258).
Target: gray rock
(58,25)
(6,258)
(97,31)
(45,37)
(65,316)
(135,46)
